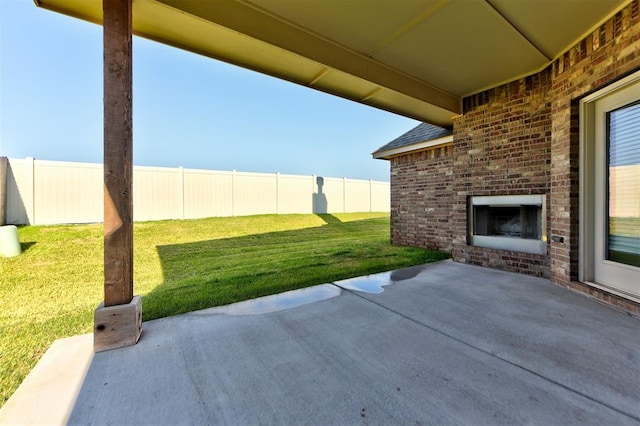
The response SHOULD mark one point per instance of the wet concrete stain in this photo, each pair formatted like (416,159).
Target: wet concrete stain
(407,273)
(368,284)
(293,299)
(280,302)
(374,283)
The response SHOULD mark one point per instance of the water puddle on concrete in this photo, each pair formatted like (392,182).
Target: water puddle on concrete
(368,284)
(374,283)
(280,302)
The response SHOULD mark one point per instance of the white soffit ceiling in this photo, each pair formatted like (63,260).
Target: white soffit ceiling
(479,50)
(414,57)
(460,46)
(554,25)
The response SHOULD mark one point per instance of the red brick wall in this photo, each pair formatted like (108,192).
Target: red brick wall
(502,146)
(421,199)
(519,138)
(607,54)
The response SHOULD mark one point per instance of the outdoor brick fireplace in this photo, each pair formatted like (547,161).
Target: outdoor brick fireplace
(508,222)
(508,186)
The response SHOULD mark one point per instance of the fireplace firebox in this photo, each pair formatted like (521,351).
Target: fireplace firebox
(508,222)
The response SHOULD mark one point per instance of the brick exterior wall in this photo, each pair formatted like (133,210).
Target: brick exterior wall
(421,199)
(502,146)
(519,138)
(606,55)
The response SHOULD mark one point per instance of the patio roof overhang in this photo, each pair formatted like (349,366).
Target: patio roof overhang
(417,58)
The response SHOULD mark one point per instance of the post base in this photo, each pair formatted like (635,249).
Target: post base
(117,326)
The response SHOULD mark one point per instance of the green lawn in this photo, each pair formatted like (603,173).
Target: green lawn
(52,289)
(625,226)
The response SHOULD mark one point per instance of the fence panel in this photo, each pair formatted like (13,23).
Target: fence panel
(380,197)
(329,195)
(207,194)
(156,193)
(357,196)
(20,191)
(625,203)
(67,192)
(51,192)
(295,194)
(254,193)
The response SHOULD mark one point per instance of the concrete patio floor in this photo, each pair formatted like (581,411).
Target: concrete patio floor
(443,343)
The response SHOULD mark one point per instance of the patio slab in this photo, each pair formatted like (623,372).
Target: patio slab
(442,343)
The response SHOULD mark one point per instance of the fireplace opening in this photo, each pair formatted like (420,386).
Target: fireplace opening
(518,222)
(508,222)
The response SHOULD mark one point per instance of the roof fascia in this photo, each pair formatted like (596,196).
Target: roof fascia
(387,154)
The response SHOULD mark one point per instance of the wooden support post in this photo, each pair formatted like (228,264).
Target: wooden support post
(118,147)
(118,172)
(117,326)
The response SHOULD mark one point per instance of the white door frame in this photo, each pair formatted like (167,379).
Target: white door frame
(590,213)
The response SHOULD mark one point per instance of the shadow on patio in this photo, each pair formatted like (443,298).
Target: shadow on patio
(449,344)
(215,272)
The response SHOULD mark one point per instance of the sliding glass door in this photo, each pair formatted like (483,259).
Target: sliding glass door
(613,190)
(623,185)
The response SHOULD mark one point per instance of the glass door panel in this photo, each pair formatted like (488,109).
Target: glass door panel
(615,235)
(623,183)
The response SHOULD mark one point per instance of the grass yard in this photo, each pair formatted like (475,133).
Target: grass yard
(52,289)
(626,226)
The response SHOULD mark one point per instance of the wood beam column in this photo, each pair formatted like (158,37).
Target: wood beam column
(118,153)
(118,319)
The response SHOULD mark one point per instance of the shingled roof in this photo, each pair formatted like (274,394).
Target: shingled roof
(419,136)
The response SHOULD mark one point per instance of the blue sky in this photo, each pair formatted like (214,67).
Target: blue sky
(188,110)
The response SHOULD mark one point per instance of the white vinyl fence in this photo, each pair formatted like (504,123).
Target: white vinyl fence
(51,192)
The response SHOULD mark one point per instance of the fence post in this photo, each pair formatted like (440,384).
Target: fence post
(370,195)
(233,192)
(313,191)
(181,190)
(277,192)
(31,196)
(3,190)
(344,194)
